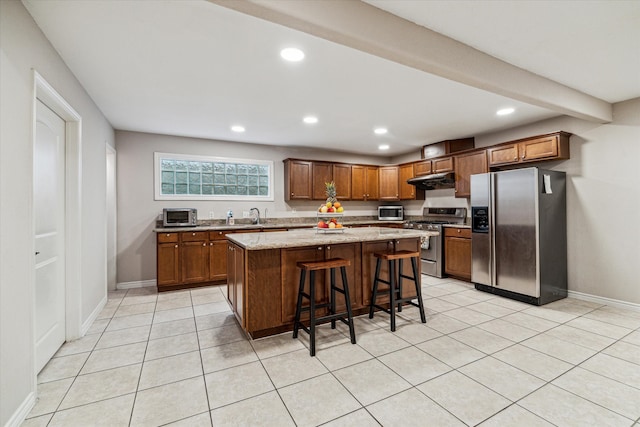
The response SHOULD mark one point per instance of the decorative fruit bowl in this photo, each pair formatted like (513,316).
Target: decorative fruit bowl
(330,226)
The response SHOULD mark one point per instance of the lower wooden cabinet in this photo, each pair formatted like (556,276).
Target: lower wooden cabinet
(187,258)
(457,252)
(168,256)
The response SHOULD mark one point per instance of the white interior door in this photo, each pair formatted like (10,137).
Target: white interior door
(48,204)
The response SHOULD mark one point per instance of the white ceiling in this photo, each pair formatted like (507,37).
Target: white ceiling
(194,68)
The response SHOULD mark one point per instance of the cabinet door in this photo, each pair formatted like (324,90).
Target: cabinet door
(291,279)
(407,191)
(238,283)
(342,179)
(372,184)
(539,148)
(389,183)
(422,168)
(467,165)
(231,274)
(194,260)
(503,155)
(298,180)
(358,182)
(457,248)
(442,165)
(218,260)
(322,172)
(168,271)
(350,251)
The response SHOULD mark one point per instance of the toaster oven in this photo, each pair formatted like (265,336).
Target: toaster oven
(179,217)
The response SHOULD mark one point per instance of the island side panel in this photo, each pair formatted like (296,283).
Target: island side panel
(263,290)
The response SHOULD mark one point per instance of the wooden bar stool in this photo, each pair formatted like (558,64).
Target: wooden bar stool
(312,267)
(394,289)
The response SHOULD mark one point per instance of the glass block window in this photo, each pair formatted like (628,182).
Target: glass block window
(188,177)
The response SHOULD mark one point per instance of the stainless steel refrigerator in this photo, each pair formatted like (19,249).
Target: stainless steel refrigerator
(519,234)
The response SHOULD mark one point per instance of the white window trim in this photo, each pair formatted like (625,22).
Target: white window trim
(157,180)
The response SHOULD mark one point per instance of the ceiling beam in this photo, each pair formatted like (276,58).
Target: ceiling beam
(361,26)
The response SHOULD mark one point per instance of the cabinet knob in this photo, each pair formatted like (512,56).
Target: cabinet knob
(292,194)
(168,234)
(176,246)
(219,233)
(458,231)
(210,243)
(193,234)
(523,156)
(204,244)
(319,248)
(328,248)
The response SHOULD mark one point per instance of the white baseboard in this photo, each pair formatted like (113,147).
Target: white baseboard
(92,317)
(606,301)
(21,413)
(136,284)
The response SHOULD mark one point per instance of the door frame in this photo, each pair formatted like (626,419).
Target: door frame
(44,92)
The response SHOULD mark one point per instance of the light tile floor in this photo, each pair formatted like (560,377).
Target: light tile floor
(181,359)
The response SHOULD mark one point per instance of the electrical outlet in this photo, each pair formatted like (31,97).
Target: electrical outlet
(211,215)
(245,214)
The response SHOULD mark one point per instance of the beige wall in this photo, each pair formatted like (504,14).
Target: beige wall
(23,48)
(138,211)
(603,198)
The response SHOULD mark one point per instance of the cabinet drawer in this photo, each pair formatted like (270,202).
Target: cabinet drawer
(464,233)
(217,235)
(192,236)
(167,237)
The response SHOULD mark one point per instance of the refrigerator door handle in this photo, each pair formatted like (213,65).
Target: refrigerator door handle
(492,228)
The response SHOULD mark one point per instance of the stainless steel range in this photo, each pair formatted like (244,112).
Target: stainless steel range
(432,252)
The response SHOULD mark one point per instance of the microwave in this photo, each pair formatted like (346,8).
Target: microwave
(390,213)
(179,217)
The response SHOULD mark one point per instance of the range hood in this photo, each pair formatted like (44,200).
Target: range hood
(434,181)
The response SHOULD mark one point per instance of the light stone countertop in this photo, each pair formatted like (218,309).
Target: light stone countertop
(311,237)
(457,225)
(281,223)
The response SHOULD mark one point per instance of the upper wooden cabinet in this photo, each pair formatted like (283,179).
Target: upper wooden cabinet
(442,148)
(321,172)
(444,164)
(467,165)
(297,180)
(389,188)
(339,173)
(554,146)
(342,179)
(422,168)
(408,191)
(364,182)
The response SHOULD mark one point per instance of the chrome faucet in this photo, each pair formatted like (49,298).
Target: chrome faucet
(255,219)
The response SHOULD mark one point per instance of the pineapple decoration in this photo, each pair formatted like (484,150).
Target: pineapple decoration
(330,191)
(331,206)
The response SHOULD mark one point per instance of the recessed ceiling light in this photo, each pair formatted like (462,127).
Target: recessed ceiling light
(292,54)
(505,111)
(310,120)
(383,147)
(380,131)
(237,128)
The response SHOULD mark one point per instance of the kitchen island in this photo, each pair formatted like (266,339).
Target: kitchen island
(262,277)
